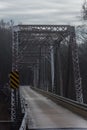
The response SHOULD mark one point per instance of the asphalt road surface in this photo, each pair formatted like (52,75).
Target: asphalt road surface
(44,113)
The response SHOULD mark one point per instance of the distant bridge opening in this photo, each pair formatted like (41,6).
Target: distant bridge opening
(26,76)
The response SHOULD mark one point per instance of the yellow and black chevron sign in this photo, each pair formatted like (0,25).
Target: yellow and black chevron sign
(14,79)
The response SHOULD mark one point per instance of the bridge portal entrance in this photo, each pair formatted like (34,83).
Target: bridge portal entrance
(49,56)
(39,47)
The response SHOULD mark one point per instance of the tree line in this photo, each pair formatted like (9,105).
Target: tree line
(5,51)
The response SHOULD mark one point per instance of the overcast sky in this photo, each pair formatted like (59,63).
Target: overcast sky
(41,11)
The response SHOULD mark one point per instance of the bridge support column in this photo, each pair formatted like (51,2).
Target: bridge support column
(76,69)
(52,67)
(35,76)
(39,70)
(14,97)
(60,70)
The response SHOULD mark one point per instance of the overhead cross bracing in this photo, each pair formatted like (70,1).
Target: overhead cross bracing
(32,37)
(39,47)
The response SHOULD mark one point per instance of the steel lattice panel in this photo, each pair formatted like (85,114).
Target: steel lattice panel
(35,42)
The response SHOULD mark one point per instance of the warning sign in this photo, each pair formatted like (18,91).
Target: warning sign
(14,79)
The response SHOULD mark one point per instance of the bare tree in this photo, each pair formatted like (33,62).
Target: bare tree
(84,10)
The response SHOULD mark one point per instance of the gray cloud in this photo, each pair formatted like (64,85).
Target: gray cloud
(41,12)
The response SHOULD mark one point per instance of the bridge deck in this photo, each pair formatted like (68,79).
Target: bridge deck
(44,113)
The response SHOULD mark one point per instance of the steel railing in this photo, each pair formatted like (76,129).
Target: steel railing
(24,110)
(74,106)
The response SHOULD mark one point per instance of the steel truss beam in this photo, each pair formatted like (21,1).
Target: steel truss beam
(14,67)
(34,45)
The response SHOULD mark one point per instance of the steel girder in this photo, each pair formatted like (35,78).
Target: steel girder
(34,43)
(14,68)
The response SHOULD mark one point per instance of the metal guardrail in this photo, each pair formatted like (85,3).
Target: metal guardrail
(23,104)
(24,123)
(74,106)
(24,110)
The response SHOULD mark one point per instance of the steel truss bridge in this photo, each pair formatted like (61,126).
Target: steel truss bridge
(39,48)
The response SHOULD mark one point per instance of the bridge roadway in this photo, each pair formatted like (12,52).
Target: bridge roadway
(44,113)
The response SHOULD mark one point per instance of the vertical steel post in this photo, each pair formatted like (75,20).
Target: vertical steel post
(76,69)
(14,93)
(52,67)
(39,78)
(60,69)
(35,76)
(13,103)
(37,73)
